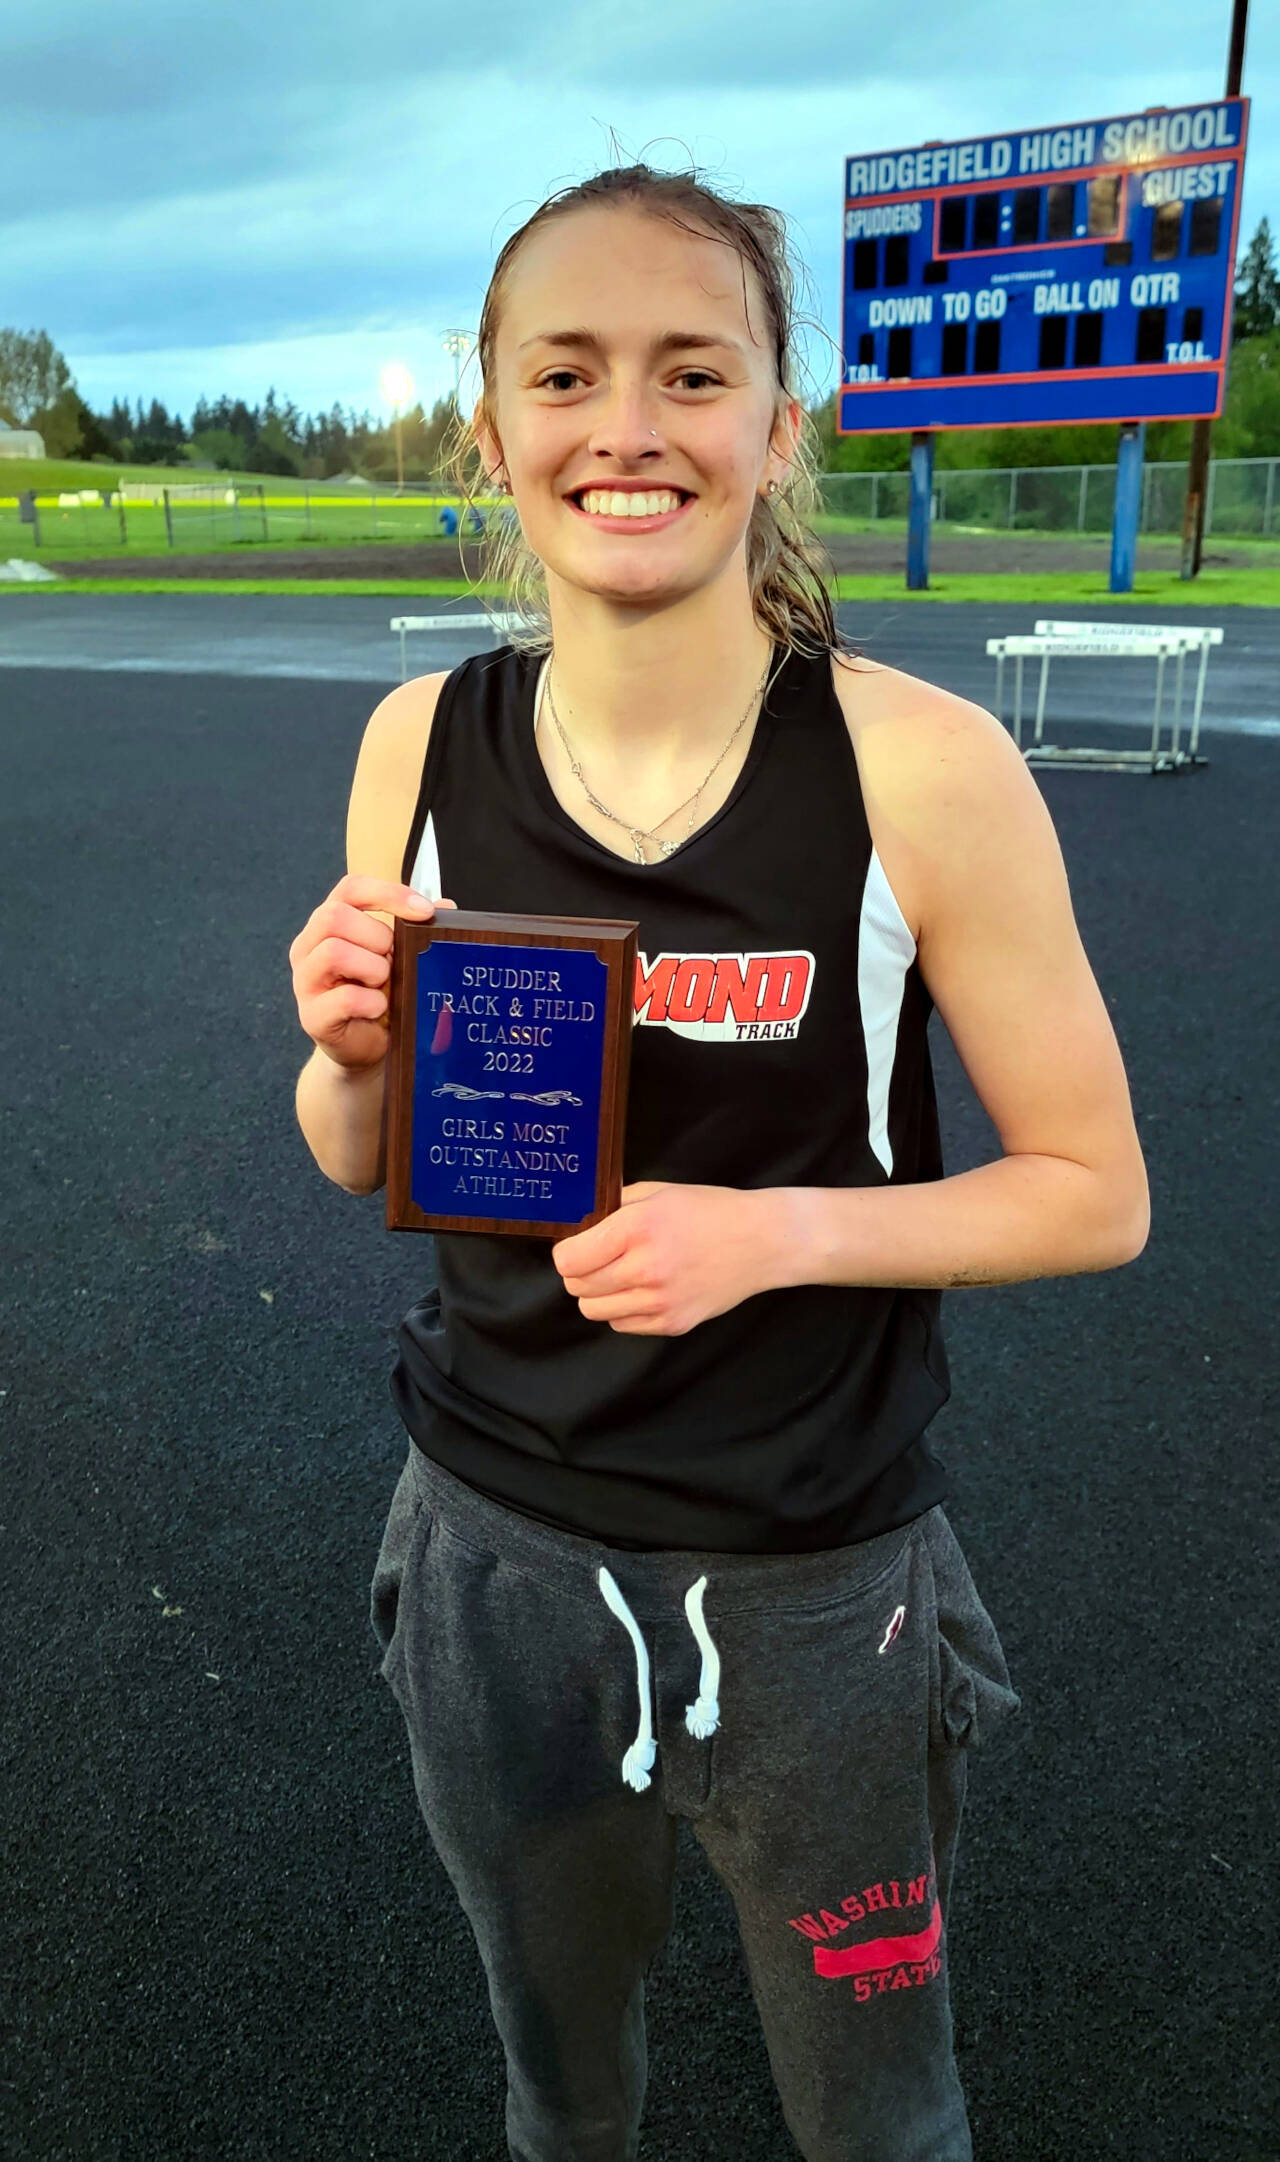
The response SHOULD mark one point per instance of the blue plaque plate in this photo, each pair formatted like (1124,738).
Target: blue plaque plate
(510,1053)
(512,1058)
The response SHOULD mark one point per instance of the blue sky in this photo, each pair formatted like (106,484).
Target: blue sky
(277,193)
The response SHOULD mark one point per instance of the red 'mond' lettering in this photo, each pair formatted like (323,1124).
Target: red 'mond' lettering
(778,983)
(654,989)
(733,987)
(879,1952)
(695,980)
(687,987)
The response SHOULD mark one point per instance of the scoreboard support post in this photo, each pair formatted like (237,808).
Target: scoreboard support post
(1128,502)
(919,510)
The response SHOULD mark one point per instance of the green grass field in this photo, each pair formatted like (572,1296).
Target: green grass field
(49,475)
(284,516)
(291,514)
(1025,589)
(87,532)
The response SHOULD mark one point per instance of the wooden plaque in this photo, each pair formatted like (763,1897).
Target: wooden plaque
(508,1064)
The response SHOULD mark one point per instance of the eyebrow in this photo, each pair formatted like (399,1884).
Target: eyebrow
(669,341)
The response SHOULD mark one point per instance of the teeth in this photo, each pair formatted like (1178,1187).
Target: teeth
(628,503)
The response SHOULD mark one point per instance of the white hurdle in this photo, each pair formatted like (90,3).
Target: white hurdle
(1194,636)
(1104,641)
(495,623)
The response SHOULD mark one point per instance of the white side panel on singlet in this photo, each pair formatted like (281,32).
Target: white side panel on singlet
(426,868)
(886,950)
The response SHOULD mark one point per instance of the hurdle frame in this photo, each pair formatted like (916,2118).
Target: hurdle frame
(496,624)
(1106,641)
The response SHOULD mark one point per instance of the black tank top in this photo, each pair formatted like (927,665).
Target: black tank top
(779,1039)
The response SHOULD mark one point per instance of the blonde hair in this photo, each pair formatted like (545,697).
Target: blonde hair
(785,557)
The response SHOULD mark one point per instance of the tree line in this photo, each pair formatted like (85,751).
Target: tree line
(37,391)
(228,434)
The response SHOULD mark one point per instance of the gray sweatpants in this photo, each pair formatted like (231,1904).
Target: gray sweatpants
(809,1715)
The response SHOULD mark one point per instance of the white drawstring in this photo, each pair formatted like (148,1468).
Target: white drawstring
(701,1717)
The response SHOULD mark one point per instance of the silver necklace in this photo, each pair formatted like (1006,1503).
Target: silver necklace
(639,833)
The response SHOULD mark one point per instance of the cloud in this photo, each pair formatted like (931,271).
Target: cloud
(331,186)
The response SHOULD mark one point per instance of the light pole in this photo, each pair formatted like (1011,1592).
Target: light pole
(1202,430)
(459,343)
(397,389)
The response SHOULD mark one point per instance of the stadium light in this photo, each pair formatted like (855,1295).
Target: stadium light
(458,343)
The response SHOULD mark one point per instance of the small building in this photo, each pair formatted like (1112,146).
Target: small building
(20,442)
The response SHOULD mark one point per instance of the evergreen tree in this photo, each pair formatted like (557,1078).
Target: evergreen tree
(95,437)
(1257,295)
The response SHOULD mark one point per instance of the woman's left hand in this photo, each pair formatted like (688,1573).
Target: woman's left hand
(669,1257)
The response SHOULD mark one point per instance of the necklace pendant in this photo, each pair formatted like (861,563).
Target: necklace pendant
(635,843)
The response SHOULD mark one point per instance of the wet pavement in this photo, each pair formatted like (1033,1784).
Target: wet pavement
(347,638)
(227,1932)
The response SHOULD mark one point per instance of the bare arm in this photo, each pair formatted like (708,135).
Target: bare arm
(341,1093)
(1001,955)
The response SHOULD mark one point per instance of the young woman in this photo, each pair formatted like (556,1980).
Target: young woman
(670,1541)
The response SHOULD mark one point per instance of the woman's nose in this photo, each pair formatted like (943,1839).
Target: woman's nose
(625,430)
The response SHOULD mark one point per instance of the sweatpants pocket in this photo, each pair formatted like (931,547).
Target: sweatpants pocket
(407,1527)
(971,1694)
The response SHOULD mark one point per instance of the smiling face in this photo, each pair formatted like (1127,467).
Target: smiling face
(623,404)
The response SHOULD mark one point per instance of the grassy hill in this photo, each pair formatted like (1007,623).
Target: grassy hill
(49,475)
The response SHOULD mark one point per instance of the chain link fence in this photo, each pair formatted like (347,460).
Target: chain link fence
(1241,498)
(142,518)
(145,518)
(133,515)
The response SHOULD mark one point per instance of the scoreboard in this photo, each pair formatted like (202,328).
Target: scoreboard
(1065,274)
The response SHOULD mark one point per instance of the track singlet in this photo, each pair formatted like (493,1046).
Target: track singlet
(779,1040)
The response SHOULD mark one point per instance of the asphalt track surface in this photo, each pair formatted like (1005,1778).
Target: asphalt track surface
(228,1934)
(347,639)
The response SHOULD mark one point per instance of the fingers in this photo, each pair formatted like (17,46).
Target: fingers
(345,960)
(346,913)
(337,918)
(583,1252)
(341,962)
(366,892)
(624,1274)
(328,1011)
(616,1310)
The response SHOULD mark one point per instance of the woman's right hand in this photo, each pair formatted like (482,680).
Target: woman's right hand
(341,962)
